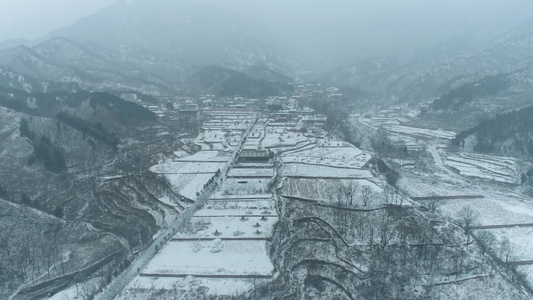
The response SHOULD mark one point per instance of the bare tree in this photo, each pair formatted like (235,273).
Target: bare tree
(466,218)
(345,193)
(385,230)
(367,195)
(348,190)
(87,291)
(390,196)
(486,239)
(384,198)
(433,204)
(505,250)
(370,237)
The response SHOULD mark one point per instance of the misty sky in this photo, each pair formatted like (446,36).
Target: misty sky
(366,26)
(310,26)
(32,19)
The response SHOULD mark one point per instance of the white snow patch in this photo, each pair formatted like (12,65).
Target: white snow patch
(212,258)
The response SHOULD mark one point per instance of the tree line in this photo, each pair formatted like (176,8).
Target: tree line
(95,130)
(514,126)
(44,151)
(487,86)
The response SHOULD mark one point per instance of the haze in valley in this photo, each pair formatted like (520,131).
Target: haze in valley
(322,36)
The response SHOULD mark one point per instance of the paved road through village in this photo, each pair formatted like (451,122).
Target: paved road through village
(146,256)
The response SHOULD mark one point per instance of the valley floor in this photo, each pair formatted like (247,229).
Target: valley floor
(306,215)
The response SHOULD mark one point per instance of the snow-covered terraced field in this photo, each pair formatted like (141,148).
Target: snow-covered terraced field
(189,174)
(166,200)
(205,156)
(321,171)
(247,186)
(520,240)
(187,167)
(237,208)
(500,169)
(320,189)
(228,227)
(327,162)
(335,156)
(291,139)
(412,143)
(214,286)
(335,150)
(211,136)
(500,210)
(216,257)
(381,121)
(528,270)
(259,208)
(492,210)
(218,196)
(438,184)
(420,132)
(188,185)
(251,172)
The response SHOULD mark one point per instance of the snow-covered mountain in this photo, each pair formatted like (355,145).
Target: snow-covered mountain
(430,72)
(63,60)
(153,45)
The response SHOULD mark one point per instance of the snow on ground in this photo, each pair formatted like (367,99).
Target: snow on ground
(520,240)
(237,208)
(206,156)
(329,149)
(218,196)
(493,210)
(318,171)
(74,292)
(254,209)
(340,156)
(189,177)
(477,287)
(287,139)
(421,132)
(528,270)
(488,167)
(412,143)
(251,172)
(167,201)
(437,183)
(327,143)
(215,257)
(231,287)
(180,153)
(228,227)
(211,136)
(67,294)
(246,186)
(501,206)
(216,286)
(320,189)
(112,177)
(188,185)
(240,209)
(188,167)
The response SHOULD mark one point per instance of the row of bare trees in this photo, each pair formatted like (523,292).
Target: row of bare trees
(351,194)
(33,256)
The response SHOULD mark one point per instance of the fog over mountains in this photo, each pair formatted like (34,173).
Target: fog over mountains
(294,35)
(266,149)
